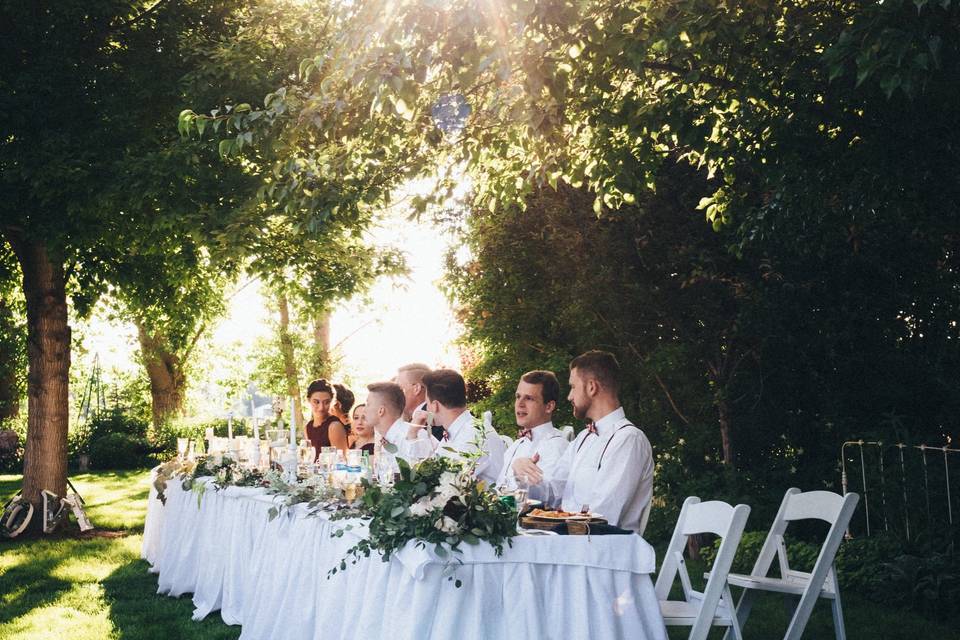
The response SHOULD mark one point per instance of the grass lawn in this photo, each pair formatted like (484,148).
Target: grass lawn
(99,588)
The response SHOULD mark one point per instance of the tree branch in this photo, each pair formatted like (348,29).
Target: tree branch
(138,17)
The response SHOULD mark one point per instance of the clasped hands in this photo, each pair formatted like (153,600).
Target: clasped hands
(527,467)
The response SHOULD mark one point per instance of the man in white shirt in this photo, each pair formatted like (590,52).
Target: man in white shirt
(460,434)
(535,401)
(410,379)
(608,468)
(384,412)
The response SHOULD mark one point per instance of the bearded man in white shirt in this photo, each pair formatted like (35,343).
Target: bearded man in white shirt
(537,439)
(608,468)
(447,405)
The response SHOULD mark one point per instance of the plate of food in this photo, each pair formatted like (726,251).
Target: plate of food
(556,515)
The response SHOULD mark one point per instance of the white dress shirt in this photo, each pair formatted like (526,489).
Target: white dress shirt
(409,450)
(546,440)
(463,435)
(611,472)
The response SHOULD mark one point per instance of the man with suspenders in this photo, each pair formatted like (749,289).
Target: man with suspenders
(536,399)
(608,468)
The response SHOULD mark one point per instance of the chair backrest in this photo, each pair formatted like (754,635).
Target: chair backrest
(703,517)
(568,433)
(812,505)
(507,440)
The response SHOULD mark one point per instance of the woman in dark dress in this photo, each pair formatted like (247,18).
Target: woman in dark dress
(363,432)
(324,428)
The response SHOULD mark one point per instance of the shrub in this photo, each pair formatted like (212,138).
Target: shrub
(119,451)
(923,575)
(11,450)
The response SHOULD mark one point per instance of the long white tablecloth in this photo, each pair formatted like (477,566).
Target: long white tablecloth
(271,578)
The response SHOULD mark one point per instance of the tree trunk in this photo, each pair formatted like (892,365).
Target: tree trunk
(726,438)
(167,379)
(48,352)
(289,361)
(321,345)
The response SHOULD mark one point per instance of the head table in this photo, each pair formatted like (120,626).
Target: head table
(271,577)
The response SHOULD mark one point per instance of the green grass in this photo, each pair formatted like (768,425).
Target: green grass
(64,589)
(98,588)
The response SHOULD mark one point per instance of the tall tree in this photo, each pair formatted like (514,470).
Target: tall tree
(86,92)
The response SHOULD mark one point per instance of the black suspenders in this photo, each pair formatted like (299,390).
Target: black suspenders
(600,461)
(609,440)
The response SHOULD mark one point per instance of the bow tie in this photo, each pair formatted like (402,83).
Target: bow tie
(446,435)
(526,433)
(592,428)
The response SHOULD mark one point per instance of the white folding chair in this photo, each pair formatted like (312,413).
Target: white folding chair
(821,582)
(568,433)
(714,606)
(507,440)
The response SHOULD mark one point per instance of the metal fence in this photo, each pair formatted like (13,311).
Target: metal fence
(906,489)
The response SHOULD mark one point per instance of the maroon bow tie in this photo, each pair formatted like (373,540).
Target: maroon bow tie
(446,435)
(592,428)
(526,433)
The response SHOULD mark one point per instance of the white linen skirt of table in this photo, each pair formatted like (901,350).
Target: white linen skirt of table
(271,578)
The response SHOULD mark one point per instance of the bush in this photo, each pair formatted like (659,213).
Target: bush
(11,450)
(119,451)
(921,576)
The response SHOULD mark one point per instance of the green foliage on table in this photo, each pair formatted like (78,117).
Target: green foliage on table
(437,502)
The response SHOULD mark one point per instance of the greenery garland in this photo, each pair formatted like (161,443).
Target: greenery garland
(437,502)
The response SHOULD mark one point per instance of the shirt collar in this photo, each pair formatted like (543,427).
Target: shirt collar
(606,424)
(464,420)
(396,432)
(542,431)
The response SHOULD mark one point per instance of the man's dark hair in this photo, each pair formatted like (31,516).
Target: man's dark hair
(392,395)
(447,387)
(549,385)
(344,397)
(320,384)
(602,366)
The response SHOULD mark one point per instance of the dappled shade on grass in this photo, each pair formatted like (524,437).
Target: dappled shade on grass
(99,588)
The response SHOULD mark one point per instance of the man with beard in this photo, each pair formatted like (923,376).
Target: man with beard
(608,468)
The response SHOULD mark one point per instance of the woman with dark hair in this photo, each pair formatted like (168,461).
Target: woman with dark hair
(324,429)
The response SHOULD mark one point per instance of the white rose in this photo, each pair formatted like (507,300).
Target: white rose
(421,507)
(447,524)
(447,487)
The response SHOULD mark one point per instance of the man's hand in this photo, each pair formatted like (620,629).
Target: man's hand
(414,431)
(420,417)
(527,467)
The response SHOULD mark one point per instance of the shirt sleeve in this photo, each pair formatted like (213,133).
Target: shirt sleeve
(415,450)
(623,466)
(550,490)
(550,454)
(505,469)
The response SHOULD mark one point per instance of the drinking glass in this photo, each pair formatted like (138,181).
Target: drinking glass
(521,492)
(182,446)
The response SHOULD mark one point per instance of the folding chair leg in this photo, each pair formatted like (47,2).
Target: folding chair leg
(734,622)
(838,627)
(802,615)
(742,612)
